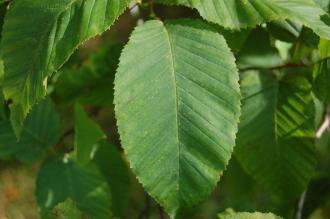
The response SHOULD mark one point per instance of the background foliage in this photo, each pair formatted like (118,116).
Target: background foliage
(164,109)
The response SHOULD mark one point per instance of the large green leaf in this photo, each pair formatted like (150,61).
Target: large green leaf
(60,179)
(249,13)
(40,36)
(321,85)
(247,215)
(275,141)
(177,105)
(41,130)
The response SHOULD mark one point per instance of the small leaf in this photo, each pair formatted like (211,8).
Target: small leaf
(177,105)
(41,36)
(87,134)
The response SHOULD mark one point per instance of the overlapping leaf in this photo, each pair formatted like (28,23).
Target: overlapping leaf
(41,130)
(109,161)
(40,36)
(275,141)
(91,147)
(248,13)
(87,134)
(321,85)
(60,179)
(177,105)
(90,82)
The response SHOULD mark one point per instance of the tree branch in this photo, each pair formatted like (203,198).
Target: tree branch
(279,67)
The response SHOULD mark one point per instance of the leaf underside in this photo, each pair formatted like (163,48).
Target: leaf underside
(236,14)
(177,105)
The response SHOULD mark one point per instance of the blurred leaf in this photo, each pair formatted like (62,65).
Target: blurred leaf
(235,39)
(275,141)
(285,30)
(325,4)
(65,210)
(258,51)
(246,215)
(321,83)
(41,130)
(115,170)
(60,179)
(309,38)
(2,98)
(87,134)
(91,83)
(7,139)
(41,36)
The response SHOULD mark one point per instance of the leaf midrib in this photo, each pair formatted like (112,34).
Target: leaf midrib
(171,49)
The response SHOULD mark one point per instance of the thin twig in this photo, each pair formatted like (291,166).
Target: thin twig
(66,134)
(152,9)
(161,212)
(286,65)
(133,6)
(325,125)
(278,67)
(300,205)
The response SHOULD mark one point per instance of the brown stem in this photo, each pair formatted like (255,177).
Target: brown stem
(161,212)
(146,212)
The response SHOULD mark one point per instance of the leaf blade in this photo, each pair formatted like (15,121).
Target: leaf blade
(42,49)
(171,110)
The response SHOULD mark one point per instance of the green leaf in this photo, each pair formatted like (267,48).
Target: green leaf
(115,170)
(275,142)
(87,134)
(258,51)
(325,4)
(60,179)
(7,139)
(321,83)
(177,105)
(285,30)
(2,98)
(246,215)
(90,82)
(40,36)
(41,130)
(238,14)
